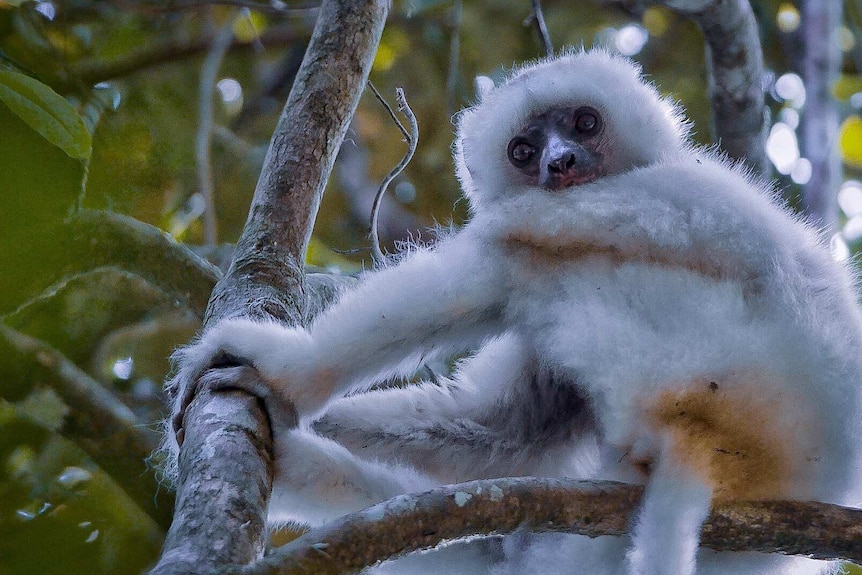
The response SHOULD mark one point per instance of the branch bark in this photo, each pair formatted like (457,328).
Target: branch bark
(735,63)
(499,506)
(735,66)
(819,67)
(227,446)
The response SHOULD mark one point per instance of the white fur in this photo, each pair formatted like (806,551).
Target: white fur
(696,274)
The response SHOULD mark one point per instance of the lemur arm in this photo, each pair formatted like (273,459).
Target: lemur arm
(435,301)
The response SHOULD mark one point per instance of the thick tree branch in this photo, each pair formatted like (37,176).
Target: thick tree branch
(735,61)
(735,64)
(97,421)
(499,506)
(227,446)
(224,484)
(265,278)
(819,67)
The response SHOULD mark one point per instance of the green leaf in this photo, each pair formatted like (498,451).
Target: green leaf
(46,112)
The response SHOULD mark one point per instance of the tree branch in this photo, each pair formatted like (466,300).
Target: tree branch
(819,67)
(499,506)
(412,143)
(227,446)
(735,66)
(271,7)
(351,169)
(538,19)
(97,422)
(265,278)
(94,239)
(454,54)
(735,63)
(90,72)
(206,89)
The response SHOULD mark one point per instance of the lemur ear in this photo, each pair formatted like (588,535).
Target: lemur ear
(484,85)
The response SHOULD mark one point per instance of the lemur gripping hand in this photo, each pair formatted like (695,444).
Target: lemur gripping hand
(283,358)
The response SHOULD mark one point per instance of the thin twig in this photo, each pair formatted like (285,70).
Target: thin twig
(412,141)
(209,73)
(352,173)
(542,29)
(390,110)
(170,49)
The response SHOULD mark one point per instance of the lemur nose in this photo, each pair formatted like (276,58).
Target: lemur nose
(562,164)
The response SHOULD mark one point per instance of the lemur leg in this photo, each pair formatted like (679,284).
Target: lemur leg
(501,414)
(318,480)
(667,532)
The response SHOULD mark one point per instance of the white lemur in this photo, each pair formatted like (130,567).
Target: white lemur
(642,309)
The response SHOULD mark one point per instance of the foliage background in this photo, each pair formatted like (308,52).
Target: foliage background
(60,511)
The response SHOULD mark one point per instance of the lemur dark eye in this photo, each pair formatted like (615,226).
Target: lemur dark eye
(520,152)
(587,121)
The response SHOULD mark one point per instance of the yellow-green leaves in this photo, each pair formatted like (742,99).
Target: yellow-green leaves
(48,113)
(851,141)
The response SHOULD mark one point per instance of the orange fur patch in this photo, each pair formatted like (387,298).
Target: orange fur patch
(552,251)
(733,438)
(323,382)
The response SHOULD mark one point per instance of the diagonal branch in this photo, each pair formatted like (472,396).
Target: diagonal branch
(206,121)
(97,422)
(225,463)
(538,19)
(93,239)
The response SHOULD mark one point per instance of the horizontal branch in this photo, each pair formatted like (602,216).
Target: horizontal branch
(499,506)
(272,7)
(88,73)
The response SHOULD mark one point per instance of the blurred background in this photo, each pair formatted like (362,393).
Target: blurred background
(118,113)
